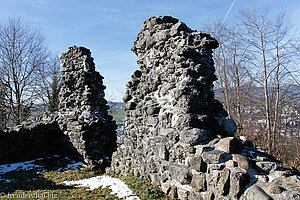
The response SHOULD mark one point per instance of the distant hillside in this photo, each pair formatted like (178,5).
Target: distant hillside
(117,110)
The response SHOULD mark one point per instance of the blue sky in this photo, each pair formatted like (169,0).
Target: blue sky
(109,28)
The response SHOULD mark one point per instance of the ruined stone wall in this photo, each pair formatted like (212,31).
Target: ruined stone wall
(82,128)
(83,113)
(32,140)
(177,135)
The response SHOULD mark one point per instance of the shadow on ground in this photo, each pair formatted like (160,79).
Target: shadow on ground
(33,179)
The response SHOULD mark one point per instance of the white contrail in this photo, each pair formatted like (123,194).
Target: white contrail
(228,11)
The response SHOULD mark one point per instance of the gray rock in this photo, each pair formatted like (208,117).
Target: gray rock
(194,136)
(195,196)
(196,162)
(183,193)
(223,185)
(153,110)
(210,195)
(178,27)
(162,36)
(210,43)
(267,166)
(294,196)
(215,156)
(230,145)
(242,161)
(130,105)
(256,193)
(199,182)
(128,142)
(230,164)
(136,74)
(227,125)
(126,98)
(173,193)
(263,178)
(152,121)
(166,187)
(155,179)
(238,181)
(162,152)
(180,173)
(217,166)
(274,188)
(165,132)
(291,183)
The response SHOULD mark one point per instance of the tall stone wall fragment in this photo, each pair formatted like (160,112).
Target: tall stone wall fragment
(83,113)
(177,134)
(81,129)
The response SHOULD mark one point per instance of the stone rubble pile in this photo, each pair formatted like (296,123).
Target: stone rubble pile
(83,113)
(177,134)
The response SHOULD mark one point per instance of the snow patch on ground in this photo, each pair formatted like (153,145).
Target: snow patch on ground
(116,185)
(28,165)
(5,180)
(73,166)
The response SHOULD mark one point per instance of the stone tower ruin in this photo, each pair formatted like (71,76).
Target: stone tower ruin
(83,113)
(177,134)
(81,128)
(170,105)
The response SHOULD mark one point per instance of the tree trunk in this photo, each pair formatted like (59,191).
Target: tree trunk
(266,94)
(276,107)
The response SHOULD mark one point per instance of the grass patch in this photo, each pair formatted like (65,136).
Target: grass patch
(143,188)
(48,185)
(118,113)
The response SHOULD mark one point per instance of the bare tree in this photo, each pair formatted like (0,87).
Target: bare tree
(2,107)
(49,84)
(257,64)
(230,61)
(257,33)
(271,47)
(22,52)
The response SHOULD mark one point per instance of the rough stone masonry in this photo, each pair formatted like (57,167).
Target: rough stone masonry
(177,134)
(83,113)
(81,129)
